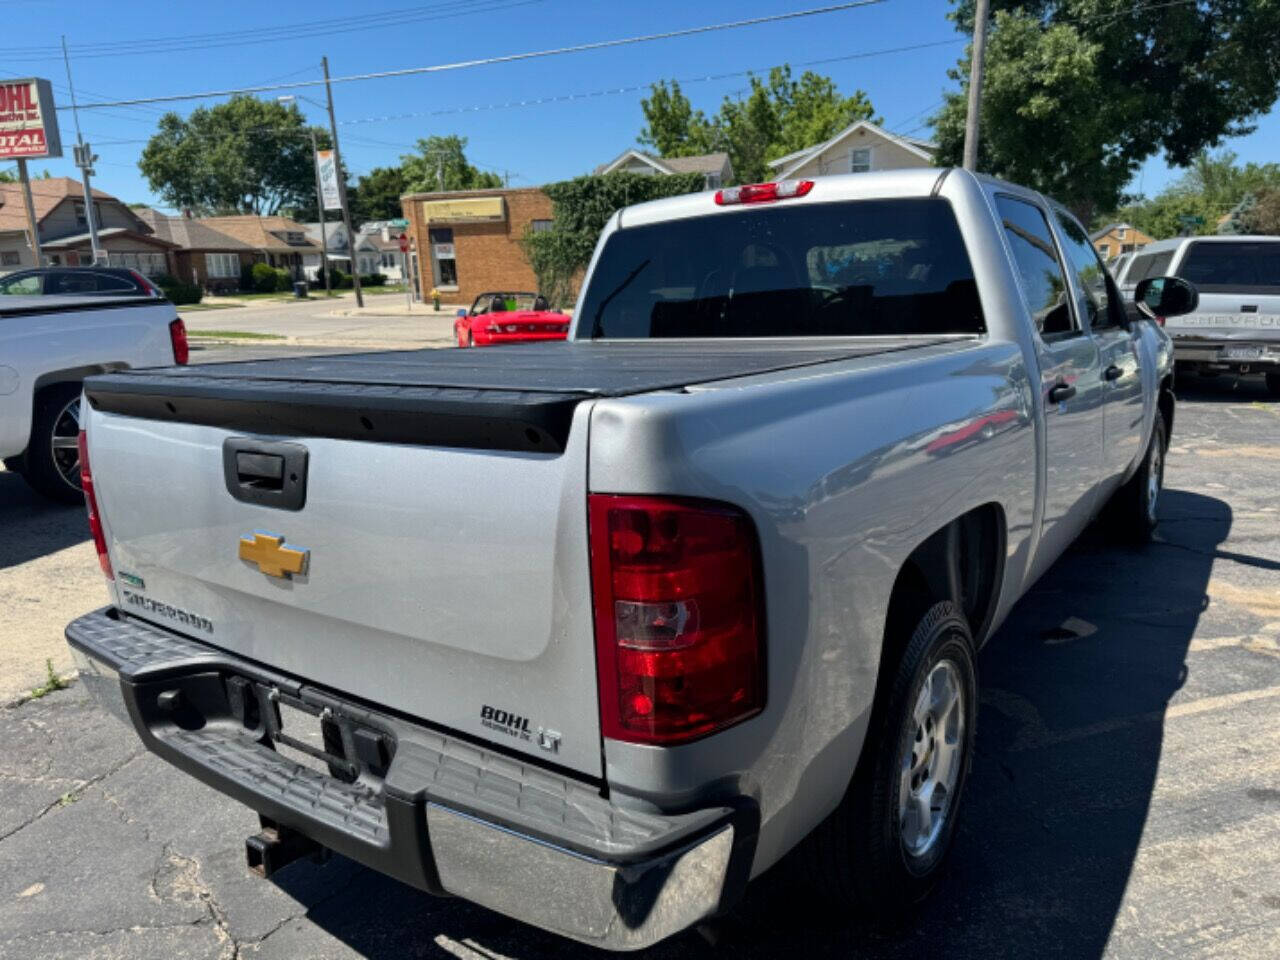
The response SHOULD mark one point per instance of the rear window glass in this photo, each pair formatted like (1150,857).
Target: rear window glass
(1148,265)
(1234,266)
(862,268)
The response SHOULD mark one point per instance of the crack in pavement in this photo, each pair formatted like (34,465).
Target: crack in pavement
(73,794)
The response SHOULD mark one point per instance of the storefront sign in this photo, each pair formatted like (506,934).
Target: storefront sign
(328,180)
(28,120)
(473,210)
(443,251)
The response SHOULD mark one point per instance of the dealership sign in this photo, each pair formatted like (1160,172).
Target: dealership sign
(328,168)
(28,120)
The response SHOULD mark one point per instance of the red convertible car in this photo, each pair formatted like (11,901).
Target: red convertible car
(509,318)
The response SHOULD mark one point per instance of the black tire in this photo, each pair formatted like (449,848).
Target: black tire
(1133,506)
(1273,384)
(52,470)
(859,858)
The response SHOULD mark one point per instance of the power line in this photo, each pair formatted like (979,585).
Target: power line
(506,58)
(637,87)
(277,34)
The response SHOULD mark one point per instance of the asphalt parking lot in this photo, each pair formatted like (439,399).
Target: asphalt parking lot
(1125,797)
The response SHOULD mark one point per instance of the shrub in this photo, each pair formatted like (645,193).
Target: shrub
(265,278)
(180,293)
(284,280)
(373,279)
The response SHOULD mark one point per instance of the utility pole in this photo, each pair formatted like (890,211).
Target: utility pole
(342,188)
(84,158)
(32,227)
(976,67)
(324,240)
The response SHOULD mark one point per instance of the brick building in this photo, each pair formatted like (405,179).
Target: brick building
(468,241)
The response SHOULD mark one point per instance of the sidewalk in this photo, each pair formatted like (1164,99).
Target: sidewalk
(324,323)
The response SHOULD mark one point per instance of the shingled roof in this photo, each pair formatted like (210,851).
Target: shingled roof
(45,195)
(189,234)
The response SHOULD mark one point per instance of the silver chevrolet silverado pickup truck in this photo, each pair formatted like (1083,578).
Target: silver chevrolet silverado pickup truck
(593,633)
(1236,328)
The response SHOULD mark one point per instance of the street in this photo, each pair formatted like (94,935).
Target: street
(1124,801)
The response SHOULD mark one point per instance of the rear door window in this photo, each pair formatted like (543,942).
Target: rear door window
(72,283)
(1044,286)
(106,283)
(860,268)
(1233,266)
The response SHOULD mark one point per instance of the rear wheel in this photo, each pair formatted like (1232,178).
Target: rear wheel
(52,461)
(1273,384)
(884,847)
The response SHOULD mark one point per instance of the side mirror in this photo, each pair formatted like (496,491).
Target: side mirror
(462,312)
(1165,297)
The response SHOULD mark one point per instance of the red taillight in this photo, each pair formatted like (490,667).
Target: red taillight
(1160,321)
(91,505)
(679,632)
(763,192)
(178,337)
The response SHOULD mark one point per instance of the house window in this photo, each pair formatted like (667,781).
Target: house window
(78,207)
(1105,250)
(147,264)
(860,160)
(222,266)
(539,226)
(1120,232)
(293,237)
(10,258)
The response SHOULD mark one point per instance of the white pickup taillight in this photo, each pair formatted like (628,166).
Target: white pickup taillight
(679,624)
(91,505)
(178,338)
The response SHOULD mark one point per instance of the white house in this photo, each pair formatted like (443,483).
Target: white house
(714,167)
(858,148)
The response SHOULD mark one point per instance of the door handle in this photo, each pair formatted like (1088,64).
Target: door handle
(1112,373)
(1060,392)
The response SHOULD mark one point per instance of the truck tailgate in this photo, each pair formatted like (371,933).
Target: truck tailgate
(444,521)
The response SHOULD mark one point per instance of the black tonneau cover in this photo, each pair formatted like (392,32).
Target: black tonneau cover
(506,398)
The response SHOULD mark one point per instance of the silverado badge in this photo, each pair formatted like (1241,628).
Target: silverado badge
(273,556)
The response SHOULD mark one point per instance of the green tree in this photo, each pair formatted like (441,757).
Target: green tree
(1263,215)
(1078,93)
(243,156)
(1214,186)
(777,116)
(441,164)
(376,195)
(580,209)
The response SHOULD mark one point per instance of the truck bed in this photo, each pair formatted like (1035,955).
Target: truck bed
(513,398)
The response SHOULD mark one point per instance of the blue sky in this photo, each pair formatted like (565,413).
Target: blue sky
(535,143)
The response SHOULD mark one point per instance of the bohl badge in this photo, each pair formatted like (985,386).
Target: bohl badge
(28,120)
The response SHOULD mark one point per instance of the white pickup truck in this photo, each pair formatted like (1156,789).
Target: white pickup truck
(48,345)
(592,633)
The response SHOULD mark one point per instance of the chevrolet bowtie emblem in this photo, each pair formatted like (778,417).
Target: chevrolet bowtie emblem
(272,556)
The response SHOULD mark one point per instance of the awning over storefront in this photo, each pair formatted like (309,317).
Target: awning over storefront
(469,210)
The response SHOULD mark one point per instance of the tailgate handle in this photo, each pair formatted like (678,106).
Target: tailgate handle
(264,472)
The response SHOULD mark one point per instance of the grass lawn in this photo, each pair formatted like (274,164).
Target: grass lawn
(234,335)
(393,288)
